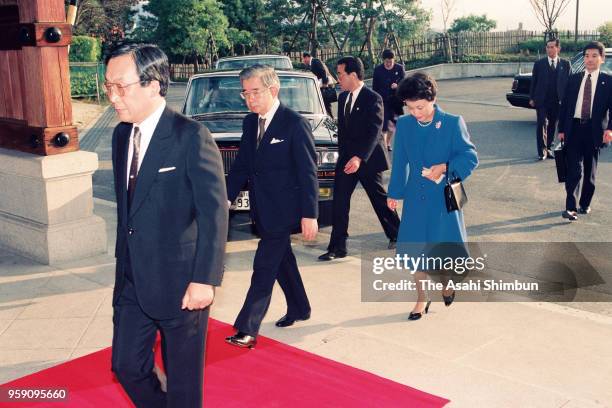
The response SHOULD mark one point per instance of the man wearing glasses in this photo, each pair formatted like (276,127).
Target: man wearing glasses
(278,161)
(171,232)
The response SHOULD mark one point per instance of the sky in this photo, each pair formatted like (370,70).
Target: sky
(509,13)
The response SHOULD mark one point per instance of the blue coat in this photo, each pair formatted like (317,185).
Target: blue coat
(424,215)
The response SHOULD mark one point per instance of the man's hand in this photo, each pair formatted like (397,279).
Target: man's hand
(532,103)
(309,228)
(352,165)
(391,203)
(607,136)
(393,85)
(198,296)
(437,170)
(561,136)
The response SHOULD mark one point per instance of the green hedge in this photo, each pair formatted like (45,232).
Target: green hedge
(85,49)
(83,80)
(538,45)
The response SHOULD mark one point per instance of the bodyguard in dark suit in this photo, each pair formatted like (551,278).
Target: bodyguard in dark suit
(585,112)
(362,156)
(547,89)
(171,232)
(325,78)
(277,159)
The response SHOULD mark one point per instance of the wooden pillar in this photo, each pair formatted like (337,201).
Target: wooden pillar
(35,105)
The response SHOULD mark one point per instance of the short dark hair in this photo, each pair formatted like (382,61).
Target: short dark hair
(151,63)
(555,40)
(352,64)
(594,45)
(417,86)
(388,54)
(306,54)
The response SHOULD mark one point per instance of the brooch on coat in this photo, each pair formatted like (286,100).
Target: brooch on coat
(438,125)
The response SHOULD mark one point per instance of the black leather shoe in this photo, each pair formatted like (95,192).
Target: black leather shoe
(328,256)
(570,215)
(286,321)
(418,315)
(582,210)
(448,300)
(392,243)
(243,340)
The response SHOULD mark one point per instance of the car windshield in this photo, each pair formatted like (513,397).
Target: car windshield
(578,63)
(221,94)
(278,63)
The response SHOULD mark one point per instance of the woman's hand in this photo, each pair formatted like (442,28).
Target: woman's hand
(436,171)
(391,203)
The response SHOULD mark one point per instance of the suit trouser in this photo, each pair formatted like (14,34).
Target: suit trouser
(274,261)
(547,116)
(580,154)
(183,345)
(344,185)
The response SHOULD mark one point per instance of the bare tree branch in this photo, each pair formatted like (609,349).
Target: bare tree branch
(447,8)
(548,11)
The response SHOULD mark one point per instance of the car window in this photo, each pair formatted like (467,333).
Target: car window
(222,94)
(278,63)
(578,63)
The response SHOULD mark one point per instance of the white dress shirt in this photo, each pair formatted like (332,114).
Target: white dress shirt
(147,127)
(355,94)
(594,77)
(556,60)
(270,115)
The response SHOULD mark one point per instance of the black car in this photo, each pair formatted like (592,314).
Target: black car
(522,82)
(214,99)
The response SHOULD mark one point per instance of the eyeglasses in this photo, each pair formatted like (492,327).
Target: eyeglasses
(255,93)
(119,89)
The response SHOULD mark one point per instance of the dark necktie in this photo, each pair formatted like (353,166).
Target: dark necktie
(262,130)
(585,112)
(347,109)
(134,165)
(552,64)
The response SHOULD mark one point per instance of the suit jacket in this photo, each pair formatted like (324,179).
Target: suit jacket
(176,228)
(363,135)
(281,172)
(318,68)
(601,110)
(540,78)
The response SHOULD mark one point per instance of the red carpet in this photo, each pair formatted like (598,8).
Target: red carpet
(273,375)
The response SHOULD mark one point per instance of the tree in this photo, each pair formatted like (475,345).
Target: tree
(189,28)
(472,23)
(605,33)
(548,11)
(104,19)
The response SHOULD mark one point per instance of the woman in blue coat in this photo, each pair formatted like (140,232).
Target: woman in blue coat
(426,142)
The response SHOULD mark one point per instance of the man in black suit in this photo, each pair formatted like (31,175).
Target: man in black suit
(171,232)
(586,107)
(547,89)
(362,157)
(326,80)
(277,159)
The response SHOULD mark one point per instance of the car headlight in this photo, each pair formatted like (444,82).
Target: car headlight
(328,157)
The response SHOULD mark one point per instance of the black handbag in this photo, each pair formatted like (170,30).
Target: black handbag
(454,194)
(560,163)
(329,94)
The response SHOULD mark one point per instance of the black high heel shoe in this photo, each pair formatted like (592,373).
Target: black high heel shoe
(448,300)
(417,316)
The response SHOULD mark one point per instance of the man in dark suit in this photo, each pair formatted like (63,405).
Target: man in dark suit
(171,232)
(547,89)
(277,159)
(585,109)
(326,80)
(362,157)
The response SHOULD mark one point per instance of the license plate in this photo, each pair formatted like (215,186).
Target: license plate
(242,202)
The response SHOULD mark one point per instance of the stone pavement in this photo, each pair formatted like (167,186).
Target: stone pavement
(475,354)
